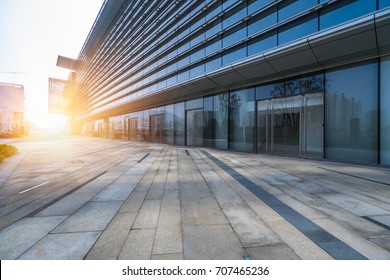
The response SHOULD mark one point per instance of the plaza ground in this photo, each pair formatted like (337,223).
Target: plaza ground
(92,198)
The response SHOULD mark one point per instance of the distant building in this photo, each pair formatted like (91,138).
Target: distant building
(300,78)
(11,109)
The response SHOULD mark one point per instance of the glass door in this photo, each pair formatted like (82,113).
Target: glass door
(291,126)
(157,127)
(194,127)
(132,128)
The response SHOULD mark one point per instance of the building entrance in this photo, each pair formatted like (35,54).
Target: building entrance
(194,123)
(157,128)
(291,126)
(132,129)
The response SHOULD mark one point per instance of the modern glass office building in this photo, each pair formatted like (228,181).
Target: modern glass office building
(300,78)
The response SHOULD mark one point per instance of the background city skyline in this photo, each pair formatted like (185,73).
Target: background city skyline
(32,35)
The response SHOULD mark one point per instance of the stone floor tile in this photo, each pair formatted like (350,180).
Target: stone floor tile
(93,216)
(138,245)
(272,252)
(20,236)
(148,214)
(211,242)
(62,246)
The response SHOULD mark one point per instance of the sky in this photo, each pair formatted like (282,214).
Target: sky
(32,34)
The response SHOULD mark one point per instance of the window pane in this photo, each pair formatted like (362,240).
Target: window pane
(385,111)
(179,124)
(262,21)
(221,115)
(233,55)
(208,121)
(298,29)
(169,121)
(235,15)
(292,7)
(309,84)
(254,5)
(345,10)
(351,113)
(213,63)
(234,35)
(262,43)
(241,107)
(384,3)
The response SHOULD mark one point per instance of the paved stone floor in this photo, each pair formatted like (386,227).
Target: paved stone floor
(90,198)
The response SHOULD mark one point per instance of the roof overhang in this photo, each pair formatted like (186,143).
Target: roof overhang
(357,40)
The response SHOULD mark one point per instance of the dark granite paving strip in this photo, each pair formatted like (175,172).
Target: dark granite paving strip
(374,181)
(143,158)
(329,243)
(376,222)
(43,207)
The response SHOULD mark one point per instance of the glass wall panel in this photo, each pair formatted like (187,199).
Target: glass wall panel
(351,113)
(145,126)
(290,8)
(234,54)
(262,21)
(221,117)
(194,104)
(234,15)
(254,5)
(384,4)
(169,124)
(385,111)
(157,128)
(179,124)
(298,29)
(242,108)
(213,63)
(262,43)
(234,35)
(264,92)
(208,121)
(308,84)
(343,11)
(194,128)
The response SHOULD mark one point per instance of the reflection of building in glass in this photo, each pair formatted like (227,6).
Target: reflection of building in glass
(11,109)
(240,75)
(59,96)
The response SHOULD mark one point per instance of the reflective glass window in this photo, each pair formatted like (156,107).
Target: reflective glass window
(308,84)
(234,15)
(208,121)
(264,91)
(213,10)
(234,54)
(384,4)
(262,43)
(385,111)
(242,114)
(169,124)
(298,29)
(194,104)
(228,3)
(179,124)
(234,35)
(290,8)
(214,45)
(262,21)
(183,75)
(351,106)
(197,70)
(213,28)
(220,121)
(254,5)
(213,63)
(343,11)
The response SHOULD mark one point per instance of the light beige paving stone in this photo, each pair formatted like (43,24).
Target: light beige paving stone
(301,208)
(353,205)
(68,205)
(63,246)
(111,241)
(156,191)
(148,214)
(250,229)
(134,202)
(138,245)
(298,242)
(168,237)
(272,252)
(93,216)
(360,244)
(20,236)
(383,242)
(211,242)
(114,192)
(384,219)
(175,256)
(201,211)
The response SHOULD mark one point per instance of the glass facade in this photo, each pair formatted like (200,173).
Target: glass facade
(351,113)
(338,113)
(385,111)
